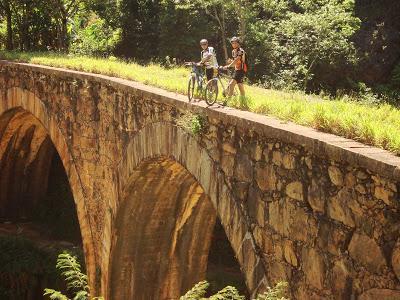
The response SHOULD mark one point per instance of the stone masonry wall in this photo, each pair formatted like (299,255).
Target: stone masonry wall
(316,210)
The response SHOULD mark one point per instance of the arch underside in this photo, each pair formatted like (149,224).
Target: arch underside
(25,158)
(159,139)
(163,233)
(160,145)
(29,137)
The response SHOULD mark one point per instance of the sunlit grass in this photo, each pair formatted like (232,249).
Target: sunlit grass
(370,124)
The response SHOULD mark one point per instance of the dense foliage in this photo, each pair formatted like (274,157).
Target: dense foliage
(75,279)
(298,44)
(198,292)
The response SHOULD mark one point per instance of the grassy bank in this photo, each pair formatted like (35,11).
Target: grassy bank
(370,124)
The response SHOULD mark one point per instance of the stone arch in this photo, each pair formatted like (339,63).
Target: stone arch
(163,139)
(23,102)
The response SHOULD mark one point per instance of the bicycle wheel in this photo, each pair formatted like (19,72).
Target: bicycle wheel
(191,87)
(211,91)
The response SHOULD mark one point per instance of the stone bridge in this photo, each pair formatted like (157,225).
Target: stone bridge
(316,210)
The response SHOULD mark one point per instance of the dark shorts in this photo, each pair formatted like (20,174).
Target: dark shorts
(209,74)
(238,76)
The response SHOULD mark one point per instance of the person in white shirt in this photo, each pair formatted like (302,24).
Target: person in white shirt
(208,59)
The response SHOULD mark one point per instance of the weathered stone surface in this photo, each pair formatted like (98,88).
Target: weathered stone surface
(384,194)
(243,168)
(266,177)
(314,267)
(316,197)
(335,175)
(227,164)
(277,158)
(366,251)
(295,190)
(289,161)
(350,180)
(361,175)
(396,259)
(331,238)
(105,129)
(338,208)
(227,147)
(380,294)
(289,253)
(279,271)
(340,280)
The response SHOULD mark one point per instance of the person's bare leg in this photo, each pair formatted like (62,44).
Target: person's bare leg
(231,87)
(241,89)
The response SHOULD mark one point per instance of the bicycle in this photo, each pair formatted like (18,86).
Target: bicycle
(196,77)
(211,89)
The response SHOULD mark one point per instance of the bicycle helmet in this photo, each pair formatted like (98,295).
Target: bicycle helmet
(203,42)
(235,39)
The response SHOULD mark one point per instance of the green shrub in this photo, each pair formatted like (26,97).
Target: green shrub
(192,122)
(278,292)
(95,38)
(76,281)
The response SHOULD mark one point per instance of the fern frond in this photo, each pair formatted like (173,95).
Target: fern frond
(197,292)
(276,293)
(71,270)
(55,295)
(228,292)
(81,295)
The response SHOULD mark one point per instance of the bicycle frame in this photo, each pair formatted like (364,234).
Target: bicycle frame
(219,77)
(196,72)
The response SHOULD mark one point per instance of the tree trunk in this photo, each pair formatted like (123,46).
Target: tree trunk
(222,27)
(9,45)
(242,20)
(223,36)
(64,34)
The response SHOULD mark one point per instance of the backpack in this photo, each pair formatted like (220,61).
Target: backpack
(244,66)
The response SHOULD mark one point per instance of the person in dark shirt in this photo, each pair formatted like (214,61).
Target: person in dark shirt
(238,61)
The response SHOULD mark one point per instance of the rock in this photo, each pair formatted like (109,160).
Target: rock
(380,294)
(313,267)
(396,259)
(289,254)
(243,170)
(308,161)
(279,271)
(366,251)
(340,278)
(316,197)
(338,208)
(227,147)
(266,177)
(227,164)
(241,190)
(258,152)
(289,161)
(331,237)
(258,236)
(361,189)
(277,158)
(350,180)
(335,175)
(385,195)
(362,175)
(295,190)
(292,221)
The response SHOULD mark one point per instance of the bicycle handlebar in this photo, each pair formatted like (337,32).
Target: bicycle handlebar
(192,64)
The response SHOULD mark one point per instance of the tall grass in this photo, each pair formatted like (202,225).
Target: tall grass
(377,125)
